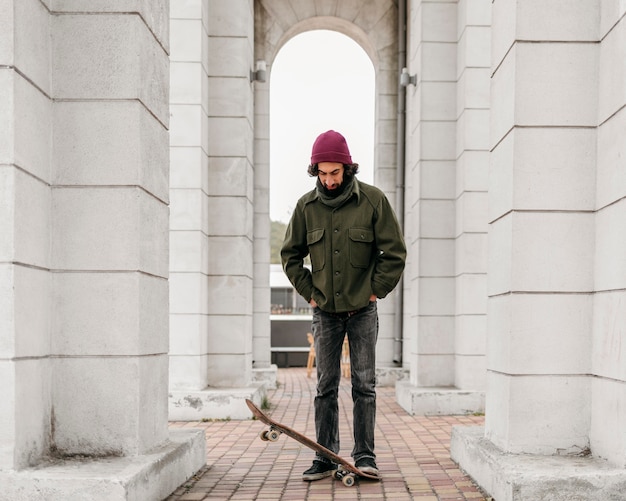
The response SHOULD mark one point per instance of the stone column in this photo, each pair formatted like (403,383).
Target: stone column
(608,360)
(212,212)
(190,185)
(447,130)
(431,150)
(472,169)
(552,259)
(26,116)
(230,210)
(84,314)
(544,95)
(263,368)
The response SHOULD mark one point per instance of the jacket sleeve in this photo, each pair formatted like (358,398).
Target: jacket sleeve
(391,250)
(293,252)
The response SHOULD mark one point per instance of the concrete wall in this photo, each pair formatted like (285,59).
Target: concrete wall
(446,206)
(541,212)
(109,231)
(556,310)
(189,188)
(212,223)
(26,117)
(608,358)
(212,195)
(84,251)
(430,191)
(86,219)
(231,210)
(261,354)
(472,170)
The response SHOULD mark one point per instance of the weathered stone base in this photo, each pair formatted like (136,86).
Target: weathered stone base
(389,376)
(267,377)
(438,401)
(526,477)
(151,476)
(214,403)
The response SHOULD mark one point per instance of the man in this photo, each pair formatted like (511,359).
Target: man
(357,256)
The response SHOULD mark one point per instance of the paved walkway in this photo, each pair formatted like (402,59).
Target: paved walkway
(413,453)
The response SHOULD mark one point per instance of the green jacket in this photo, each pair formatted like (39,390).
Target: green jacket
(356,249)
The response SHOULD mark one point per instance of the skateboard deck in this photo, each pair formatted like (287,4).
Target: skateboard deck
(346,471)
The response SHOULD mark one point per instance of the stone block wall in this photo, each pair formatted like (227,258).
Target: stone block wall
(84,177)
(190,185)
(26,117)
(446,209)
(544,95)
(109,231)
(430,211)
(471,183)
(608,358)
(211,230)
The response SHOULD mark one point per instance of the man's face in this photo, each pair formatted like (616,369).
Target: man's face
(330,174)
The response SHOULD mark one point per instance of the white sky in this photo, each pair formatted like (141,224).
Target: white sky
(320,80)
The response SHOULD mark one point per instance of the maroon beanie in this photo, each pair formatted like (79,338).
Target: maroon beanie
(330,147)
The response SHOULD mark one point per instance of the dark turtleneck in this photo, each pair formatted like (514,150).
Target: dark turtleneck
(336,197)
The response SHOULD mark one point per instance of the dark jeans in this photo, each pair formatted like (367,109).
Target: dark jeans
(329,331)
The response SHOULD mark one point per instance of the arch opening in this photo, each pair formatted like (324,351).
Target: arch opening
(320,80)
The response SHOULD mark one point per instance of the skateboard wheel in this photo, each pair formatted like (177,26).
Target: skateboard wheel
(348,480)
(263,436)
(272,435)
(337,474)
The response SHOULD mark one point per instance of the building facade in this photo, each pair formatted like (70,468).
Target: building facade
(134,230)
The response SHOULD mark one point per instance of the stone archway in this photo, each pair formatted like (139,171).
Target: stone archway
(374,26)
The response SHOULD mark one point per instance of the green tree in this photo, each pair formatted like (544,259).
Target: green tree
(277,236)
(276,240)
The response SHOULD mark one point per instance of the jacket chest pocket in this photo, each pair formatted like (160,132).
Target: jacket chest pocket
(361,247)
(315,243)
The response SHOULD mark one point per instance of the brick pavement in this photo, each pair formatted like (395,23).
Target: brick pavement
(413,453)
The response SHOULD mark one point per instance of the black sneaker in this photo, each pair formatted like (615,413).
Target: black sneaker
(367,465)
(319,469)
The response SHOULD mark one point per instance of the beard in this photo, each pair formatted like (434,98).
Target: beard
(335,192)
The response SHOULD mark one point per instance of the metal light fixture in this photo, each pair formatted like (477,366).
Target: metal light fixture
(406,79)
(260,72)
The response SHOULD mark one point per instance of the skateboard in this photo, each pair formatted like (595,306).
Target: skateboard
(346,472)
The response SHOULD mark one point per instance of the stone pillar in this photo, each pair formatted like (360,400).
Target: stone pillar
(556,270)
(447,131)
(388,351)
(190,185)
(83,323)
(376,33)
(230,210)
(608,360)
(263,368)
(544,96)
(431,151)
(472,169)
(212,212)
(26,116)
